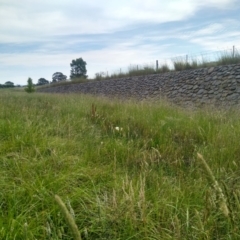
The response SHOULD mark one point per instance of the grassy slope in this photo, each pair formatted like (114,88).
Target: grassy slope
(142,182)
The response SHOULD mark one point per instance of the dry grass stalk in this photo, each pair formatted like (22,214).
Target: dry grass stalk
(236,195)
(93,114)
(177,227)
(222,200)
(93,111)
(200,223)
(142,200)
(68,218)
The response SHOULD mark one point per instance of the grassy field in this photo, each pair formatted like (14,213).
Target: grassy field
(123,170)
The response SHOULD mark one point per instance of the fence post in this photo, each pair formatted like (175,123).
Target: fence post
(156,65)
(137,67)
(186,58)
(233,52)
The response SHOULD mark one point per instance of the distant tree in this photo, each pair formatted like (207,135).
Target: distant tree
(30,86)
(58,76)
(42,81)
(78,68)
(9,84)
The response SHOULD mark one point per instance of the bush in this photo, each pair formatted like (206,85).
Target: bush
(30,86)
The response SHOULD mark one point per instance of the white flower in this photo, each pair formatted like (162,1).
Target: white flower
(118,129)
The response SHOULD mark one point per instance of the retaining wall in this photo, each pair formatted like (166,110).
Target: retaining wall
(216,85)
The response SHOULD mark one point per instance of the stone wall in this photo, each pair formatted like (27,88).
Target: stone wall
(217,85)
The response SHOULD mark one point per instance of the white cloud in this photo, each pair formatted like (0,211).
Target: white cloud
(45,22)
(211,37)
(211,29)
(218,43)
(27,20)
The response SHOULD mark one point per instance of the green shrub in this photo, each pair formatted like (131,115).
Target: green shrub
(30,86)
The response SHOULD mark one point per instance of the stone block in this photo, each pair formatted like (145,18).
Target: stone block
(233,96)
(210,70)
(201,91)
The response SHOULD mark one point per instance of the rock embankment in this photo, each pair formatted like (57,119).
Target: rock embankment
(216,85)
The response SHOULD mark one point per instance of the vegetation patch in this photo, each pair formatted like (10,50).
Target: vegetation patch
(81,167)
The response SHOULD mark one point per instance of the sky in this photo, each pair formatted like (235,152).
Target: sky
(41,37)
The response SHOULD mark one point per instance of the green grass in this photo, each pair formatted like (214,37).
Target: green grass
(224,58)
(227,58)
(123,169)
(62,83)
(179,64)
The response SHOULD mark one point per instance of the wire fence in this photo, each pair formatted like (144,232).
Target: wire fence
(199,58)
(213,56)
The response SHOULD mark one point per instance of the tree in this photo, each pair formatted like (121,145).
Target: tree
(58,76)
(42,81)
(78,68)
(9,84)
(30,86)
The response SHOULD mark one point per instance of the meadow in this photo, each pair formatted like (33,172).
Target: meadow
(84,167)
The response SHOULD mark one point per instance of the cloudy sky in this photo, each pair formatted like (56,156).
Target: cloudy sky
(41,37)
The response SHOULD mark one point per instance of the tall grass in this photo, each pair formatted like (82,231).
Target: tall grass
(179,64)
(124,170)
(229,58)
